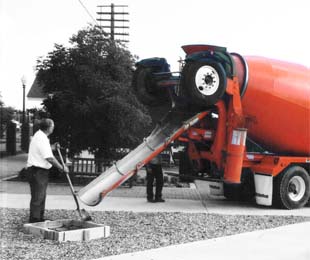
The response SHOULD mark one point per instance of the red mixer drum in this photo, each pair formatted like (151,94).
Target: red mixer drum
(276,104)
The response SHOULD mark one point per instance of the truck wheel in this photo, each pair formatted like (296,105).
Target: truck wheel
(146,89)
(204,82)
(291,188)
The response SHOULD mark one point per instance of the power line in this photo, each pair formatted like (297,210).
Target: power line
(88,12)
(85,8)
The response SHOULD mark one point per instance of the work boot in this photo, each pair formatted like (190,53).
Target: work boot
(151,200)
(34,220)
(159,200)
(45,219)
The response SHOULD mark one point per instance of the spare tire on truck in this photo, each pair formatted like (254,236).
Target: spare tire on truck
(203,82)
(145,78)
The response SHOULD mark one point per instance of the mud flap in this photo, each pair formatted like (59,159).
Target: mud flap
(215,188)
(263,189)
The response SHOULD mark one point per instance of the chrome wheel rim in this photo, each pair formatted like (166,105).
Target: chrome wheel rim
(296,188)
(207,80)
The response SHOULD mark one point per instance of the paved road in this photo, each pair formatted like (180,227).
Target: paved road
(11,165)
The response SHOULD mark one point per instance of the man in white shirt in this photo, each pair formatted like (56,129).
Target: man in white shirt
(40,160)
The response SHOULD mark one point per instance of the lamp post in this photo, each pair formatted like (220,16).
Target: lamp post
(1,120)
(23,79)
(25,127)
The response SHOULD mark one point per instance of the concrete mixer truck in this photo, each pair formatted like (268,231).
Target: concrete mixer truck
(244,120)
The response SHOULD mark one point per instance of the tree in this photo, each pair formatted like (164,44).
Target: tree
(6,115)
(90,97)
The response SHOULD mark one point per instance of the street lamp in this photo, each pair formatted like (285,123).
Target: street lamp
(24,81)
(25,127)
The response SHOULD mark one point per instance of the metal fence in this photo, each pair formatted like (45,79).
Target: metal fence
(88,167)
(83,170)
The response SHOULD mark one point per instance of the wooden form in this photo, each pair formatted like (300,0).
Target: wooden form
(68,230)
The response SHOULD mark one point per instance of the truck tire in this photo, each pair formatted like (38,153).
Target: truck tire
(203,82)
(291,188)
(146,89)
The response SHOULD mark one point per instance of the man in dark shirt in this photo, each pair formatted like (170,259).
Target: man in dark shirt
(154,171)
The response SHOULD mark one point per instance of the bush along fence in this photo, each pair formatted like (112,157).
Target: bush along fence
(15,139)
(11,139)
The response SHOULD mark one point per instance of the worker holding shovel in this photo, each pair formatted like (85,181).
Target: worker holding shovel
(40,160)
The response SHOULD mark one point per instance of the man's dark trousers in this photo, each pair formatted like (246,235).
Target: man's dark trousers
(38,180)
(155,172)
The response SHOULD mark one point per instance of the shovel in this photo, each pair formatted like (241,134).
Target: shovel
(84,215)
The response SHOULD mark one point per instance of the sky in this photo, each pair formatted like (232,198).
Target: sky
(29,29)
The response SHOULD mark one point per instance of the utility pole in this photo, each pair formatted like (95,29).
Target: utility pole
(112,17)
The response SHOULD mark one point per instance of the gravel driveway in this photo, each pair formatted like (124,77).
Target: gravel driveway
(129,232)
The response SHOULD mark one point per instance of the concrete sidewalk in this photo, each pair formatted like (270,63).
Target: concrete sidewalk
(285,243)
(8,200)
(121,202)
